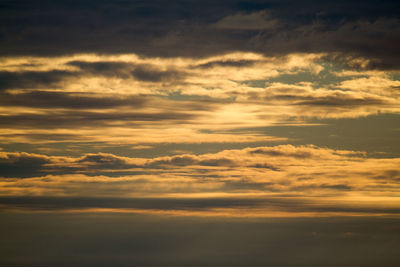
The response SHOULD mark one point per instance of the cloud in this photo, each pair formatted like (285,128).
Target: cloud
(75,118)
(151,74)
(212,206)
(32,79)
(104,68)
(126,70)
(227,63)
(253,21)
(182,100)
(22,164)
(302,152)
(263,170)
(201,28)
(48,99)
(106,161)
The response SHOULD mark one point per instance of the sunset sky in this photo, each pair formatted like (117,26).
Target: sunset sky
(199,133)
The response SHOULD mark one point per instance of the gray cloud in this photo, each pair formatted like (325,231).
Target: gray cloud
(280,153)
(31,165)
(331,99)
(187,160)
(43,99)
(337,100)
(104,68)
(264,166)
(32,79)
(189,28)
(23,165)
(104,161)
(188,204)
(227,63)
(141,72)
(151,74)
(76,118)
(336,187)
(389,175)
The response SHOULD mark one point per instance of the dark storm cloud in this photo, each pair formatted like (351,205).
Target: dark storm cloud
(187,28)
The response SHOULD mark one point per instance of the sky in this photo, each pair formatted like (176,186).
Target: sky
(141,132)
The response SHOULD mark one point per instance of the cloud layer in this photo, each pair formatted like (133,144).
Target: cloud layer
(261,175)
(290,107)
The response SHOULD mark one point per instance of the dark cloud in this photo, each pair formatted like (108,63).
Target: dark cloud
(227,63)
(32,79)
(332,99)
(44,99)
(282,153)
(389,175)
(22,164)
(25,165)
(104,161)
(138,203)
(141,72)
(103,68)
(244,186)
(336,187)
(43,79)
(349,62)
(181,160)
(338,100)
(187,160)
(187,28)
(151,74)
(218,162)
(188,204)
(71,118)
(264,166)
